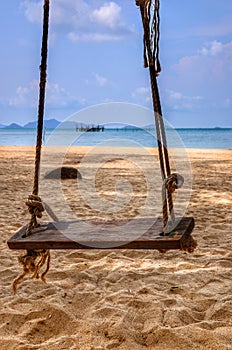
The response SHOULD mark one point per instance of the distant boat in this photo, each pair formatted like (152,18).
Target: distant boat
(89,128)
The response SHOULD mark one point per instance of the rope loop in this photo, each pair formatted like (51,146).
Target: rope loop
(35,205)
(173,182)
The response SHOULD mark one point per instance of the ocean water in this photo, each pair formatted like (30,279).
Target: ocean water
(189,138)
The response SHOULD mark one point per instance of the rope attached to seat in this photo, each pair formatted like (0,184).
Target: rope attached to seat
(34,202)
(35,208)
(170,184)
(149,10)
(30,265)
(173,182)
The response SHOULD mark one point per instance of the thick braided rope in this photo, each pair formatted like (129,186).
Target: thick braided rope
(151,59)
(34,202)
(157,112)
(170,184)
(146,4)
(35,208)
(42,87)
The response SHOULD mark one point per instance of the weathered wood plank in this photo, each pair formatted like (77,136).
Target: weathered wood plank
(47,236)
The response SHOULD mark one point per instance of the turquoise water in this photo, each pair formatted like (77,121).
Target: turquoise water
(189,138)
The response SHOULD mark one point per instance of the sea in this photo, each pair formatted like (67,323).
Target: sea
(215,138)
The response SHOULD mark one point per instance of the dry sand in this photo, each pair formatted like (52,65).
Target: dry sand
(127,300)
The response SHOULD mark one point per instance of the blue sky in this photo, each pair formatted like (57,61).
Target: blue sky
(95,56)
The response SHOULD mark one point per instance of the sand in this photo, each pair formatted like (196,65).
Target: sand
(126,300)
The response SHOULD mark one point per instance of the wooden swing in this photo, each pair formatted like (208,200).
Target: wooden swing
(38,239)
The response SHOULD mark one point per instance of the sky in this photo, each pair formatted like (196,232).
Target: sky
(96,56)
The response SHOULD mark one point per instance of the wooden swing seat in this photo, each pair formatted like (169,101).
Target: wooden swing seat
(47,236)
(117,235)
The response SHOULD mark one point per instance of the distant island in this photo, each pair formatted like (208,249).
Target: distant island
(13,126)
(54,123)
(72,125)
(49,124)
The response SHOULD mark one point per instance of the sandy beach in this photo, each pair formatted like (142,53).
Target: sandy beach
(126,300)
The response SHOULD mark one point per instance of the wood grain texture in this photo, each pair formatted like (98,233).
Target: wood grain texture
(95,236)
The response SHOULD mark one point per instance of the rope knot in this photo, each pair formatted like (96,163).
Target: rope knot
(35,205)
(173,182)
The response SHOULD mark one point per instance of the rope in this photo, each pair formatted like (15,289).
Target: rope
(35,208)
(170,184)
(189,245)
(31,266)
(34,202)
(151,28)
(173,182)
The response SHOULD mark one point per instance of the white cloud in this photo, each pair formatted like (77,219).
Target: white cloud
(108,15)
(206,81)
(176,95)
(32,10)
(140,91)
(25,96)
(207,74)
(142,94)
(176,100)
(212,48)
(100,80)
(212,61)
(62,12)
(93,37)
(56,96)
(81,20)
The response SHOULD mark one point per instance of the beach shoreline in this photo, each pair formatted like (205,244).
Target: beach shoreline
(126,300)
